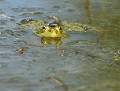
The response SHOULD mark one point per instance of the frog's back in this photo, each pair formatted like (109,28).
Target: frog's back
(72,26)
(31,23)
(55,29)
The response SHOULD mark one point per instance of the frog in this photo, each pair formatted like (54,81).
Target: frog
(56,28)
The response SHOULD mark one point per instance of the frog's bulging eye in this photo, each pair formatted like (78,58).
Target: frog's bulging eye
(60,28)
(29,19)
(43,28)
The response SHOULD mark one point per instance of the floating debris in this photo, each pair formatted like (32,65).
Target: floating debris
(20,50)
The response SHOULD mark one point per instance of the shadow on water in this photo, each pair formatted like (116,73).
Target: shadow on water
(85,61)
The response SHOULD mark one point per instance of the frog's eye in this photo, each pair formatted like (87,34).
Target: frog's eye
(29,19)
(60,28)
(43,28)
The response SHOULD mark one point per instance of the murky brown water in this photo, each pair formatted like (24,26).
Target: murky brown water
(85,61)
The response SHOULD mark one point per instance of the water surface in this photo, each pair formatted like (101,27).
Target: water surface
(85,61)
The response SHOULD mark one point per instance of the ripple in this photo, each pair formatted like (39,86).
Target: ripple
(24,9)
(56,7)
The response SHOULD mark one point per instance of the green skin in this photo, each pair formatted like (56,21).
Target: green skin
(55,29)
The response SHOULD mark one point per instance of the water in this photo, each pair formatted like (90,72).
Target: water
(85,61)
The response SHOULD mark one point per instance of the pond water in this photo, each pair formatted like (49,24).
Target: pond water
(85,61)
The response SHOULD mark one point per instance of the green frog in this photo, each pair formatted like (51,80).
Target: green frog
(56,28)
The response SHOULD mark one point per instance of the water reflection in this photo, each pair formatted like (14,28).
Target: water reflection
(51,40)
(87,8)
(78,65)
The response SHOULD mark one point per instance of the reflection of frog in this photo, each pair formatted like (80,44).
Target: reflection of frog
(50,40)
(55,29)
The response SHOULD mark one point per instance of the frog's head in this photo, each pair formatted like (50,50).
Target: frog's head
(50,31)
